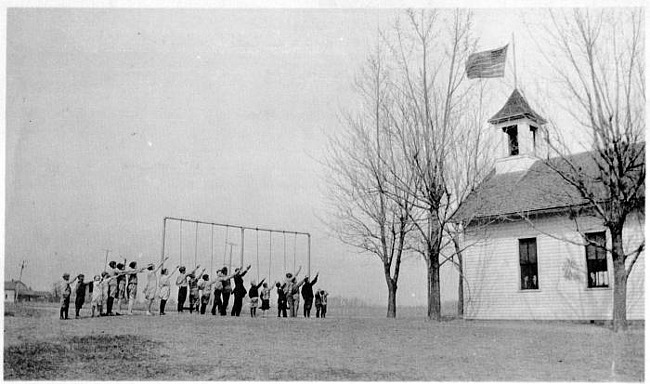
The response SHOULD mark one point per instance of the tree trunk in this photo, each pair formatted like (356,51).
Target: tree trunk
(620,280)
(391,313)
(433,279)
(461,294)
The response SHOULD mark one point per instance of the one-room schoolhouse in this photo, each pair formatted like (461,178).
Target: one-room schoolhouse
(525,255)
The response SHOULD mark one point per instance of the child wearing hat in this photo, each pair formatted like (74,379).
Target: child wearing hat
(66,291)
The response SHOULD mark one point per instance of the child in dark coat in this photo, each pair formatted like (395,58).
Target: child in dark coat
(80,290)
(253,294)
(282,300)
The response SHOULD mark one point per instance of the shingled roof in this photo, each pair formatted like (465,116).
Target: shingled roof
(516,108)
(538,189)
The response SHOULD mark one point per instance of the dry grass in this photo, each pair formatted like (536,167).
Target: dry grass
(194,347)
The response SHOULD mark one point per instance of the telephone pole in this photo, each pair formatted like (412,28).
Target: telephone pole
(106,259)
(22,267)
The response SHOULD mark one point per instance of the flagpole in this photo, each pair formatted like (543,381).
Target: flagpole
(514,58)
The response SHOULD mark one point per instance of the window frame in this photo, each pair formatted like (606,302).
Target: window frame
(521,241)
(512,131)
(604,260)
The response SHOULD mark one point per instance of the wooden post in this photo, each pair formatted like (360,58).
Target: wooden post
(162,253)
(308,255)
(241,253)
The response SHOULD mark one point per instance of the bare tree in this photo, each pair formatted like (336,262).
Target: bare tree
(599,58)
(436,112)
(363,214)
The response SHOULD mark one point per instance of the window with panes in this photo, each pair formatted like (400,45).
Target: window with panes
(528,263)
(597,276)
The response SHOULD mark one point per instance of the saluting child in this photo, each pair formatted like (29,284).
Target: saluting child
(193,285)
(254,296)
(80,291)
(165,287)
(266,299)
(98,296)
(282,300)
(204,292)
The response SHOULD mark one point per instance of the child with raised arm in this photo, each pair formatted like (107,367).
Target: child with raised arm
(182,283)
(98,295)
(282,299)
(226,289)
(132,283)
(217,286)
(240,291)
(308,294)
(66,291)
(152,280)
(193,285)
(120,293)
(165,287)
(205,290)
(112,287)
(80,291)
(254,296)
(266,299)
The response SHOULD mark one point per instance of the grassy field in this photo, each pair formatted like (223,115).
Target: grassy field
(192,347)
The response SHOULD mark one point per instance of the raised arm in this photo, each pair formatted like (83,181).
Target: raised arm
(161,264)
(195,269)
(260,284)
(244,272)
(315,279)
(298,271)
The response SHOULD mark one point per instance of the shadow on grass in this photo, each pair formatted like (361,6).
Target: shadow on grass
(88,357)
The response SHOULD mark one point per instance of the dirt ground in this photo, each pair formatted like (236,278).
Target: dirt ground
(193,347)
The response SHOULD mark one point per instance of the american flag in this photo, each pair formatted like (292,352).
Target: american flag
(487,64)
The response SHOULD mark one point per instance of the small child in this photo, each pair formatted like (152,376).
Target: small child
(266,299)
(323,303)
(66,291)
(105,291)
(120,292)
(193,285)
(165,287)
(282,300)
(80,291)
(254,295)
(98,296)
(317,302)
(204,292)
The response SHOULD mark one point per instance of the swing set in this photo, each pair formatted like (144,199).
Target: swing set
(228,246)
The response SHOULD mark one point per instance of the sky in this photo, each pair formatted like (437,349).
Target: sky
(117,118)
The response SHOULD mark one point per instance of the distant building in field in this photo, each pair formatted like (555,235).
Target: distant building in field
(525,257)
(17,291)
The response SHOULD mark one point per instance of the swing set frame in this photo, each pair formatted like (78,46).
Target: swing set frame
(242,234)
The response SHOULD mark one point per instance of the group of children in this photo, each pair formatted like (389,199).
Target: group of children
(117,282)
(121,284)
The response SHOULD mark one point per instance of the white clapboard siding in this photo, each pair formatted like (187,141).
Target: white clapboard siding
(491,266)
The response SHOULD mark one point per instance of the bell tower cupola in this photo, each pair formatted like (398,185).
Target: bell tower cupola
(521,138)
